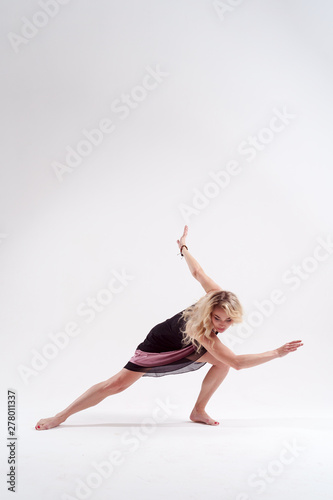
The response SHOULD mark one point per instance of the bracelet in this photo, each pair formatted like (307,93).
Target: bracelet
(181,248)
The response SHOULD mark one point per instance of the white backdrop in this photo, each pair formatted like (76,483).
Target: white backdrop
(123,121)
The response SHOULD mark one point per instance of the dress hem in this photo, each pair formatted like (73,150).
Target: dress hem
(156,369)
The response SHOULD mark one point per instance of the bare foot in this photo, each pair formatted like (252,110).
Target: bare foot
(48,423)
(201,417)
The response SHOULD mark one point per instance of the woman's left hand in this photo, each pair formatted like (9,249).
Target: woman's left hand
(182,240)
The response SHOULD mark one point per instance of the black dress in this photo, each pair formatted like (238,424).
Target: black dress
(162,353)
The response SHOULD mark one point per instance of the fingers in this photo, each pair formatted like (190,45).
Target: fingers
(183,235)
(293,346)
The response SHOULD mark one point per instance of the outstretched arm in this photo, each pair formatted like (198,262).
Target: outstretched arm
(224,354)
(196,270)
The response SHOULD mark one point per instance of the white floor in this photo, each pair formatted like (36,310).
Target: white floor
(160,455)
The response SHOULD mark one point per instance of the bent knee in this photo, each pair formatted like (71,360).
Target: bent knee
(221,365)
(209,358)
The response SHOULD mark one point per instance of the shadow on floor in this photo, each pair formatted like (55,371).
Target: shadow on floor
(297,422)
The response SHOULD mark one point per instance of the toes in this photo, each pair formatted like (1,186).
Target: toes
(212,422)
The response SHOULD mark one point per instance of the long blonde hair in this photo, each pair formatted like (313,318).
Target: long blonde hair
(198,323)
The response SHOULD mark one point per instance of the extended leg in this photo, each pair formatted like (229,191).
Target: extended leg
(92,397)
(210,383)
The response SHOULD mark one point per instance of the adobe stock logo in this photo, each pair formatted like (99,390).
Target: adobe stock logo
(225,7)
(58,340)
(249,149)
(122,107)
(131,440)
(254,143)
(263,477)
(40,19)
(294,278)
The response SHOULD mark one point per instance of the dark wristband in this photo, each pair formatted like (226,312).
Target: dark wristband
(181,248)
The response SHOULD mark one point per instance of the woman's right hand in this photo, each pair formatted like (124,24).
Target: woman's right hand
(289,347)
(182,240)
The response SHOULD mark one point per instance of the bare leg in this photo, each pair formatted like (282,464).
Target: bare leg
(210,383)
(92,397)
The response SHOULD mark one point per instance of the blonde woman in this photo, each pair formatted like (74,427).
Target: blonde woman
(182,343)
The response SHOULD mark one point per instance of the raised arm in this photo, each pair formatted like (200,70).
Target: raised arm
(196,270)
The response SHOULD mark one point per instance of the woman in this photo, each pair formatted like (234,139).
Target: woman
(180,344)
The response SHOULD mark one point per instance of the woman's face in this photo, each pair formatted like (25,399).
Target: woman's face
(220,319)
